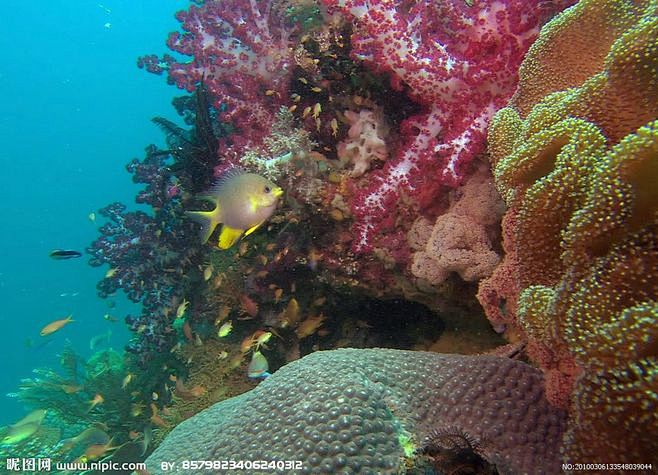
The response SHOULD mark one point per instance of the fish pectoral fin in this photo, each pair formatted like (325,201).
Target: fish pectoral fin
(228,237)
(208,221)
(252,229)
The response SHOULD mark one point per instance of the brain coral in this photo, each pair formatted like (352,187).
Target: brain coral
(361,411)
(578,169)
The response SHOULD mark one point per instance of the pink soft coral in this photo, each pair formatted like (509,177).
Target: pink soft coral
(460,240)
(239,50)
(365,140)
(459,61)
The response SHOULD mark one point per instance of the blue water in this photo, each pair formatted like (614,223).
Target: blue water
(75,109)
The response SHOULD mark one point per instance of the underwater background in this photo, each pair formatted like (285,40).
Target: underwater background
(330,236)
(75,110)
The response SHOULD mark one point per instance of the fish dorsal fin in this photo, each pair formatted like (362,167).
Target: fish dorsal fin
(228,237)
(222,180)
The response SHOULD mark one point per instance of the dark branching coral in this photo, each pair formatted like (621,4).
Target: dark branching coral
(194,150)
(152,253)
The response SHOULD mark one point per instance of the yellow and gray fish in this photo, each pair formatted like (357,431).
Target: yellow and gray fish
(25,428)
(243,201)
(90,436)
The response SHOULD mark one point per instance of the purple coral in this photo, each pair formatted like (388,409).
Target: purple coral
(358,410)
(149,253)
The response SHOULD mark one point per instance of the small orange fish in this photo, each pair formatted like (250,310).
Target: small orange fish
(98,399)
(156,419)
(96,451)
(246,344)
(309,326)
(70,388)
(236,361)
(187,331)
(317,108)
(248,305)
(290,316)
(260,338)
(277,294)
(56,325)
(188,394)
(319,301)
(224,312)
(334,126)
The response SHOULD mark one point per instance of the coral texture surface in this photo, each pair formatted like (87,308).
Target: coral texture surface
(578,169)
(346,411)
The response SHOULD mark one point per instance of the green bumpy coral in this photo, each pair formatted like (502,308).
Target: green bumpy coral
(576,158)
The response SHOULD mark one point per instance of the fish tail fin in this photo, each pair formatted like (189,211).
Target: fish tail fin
(228,237)
(208,221)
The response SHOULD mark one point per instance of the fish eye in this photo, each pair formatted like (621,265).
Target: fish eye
(267,189)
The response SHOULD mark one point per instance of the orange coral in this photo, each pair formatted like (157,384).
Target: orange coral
(578,168)
(573,48)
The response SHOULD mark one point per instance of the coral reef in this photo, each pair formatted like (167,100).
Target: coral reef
(369,410)
(216,373)
(286,144)
(372,118)
(92,407)
(238,49)
(152,254)
(577,168)
(458,61)
(351,127)
(365,140)
(461,239)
